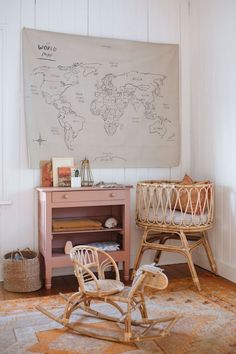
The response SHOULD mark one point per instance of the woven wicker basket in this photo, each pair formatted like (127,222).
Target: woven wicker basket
(21,275)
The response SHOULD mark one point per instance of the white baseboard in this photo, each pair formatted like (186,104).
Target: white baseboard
(225,270)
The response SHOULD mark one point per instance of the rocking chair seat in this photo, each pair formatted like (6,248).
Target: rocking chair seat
(105,287)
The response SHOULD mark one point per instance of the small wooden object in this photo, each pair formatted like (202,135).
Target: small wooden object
(68,247)
(89,261)
(46,173)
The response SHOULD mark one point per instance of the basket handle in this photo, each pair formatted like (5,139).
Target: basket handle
(27,249)
(17,251)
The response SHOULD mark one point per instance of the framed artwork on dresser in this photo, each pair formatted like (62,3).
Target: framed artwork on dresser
(60,162)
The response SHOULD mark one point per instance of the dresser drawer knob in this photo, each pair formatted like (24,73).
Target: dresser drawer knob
(112,195)
(65,196)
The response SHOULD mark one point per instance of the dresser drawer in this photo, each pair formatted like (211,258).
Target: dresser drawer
(86,196)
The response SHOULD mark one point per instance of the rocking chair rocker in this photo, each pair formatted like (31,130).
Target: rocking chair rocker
(89,261)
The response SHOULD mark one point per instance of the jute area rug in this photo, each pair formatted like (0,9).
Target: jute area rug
(207,326)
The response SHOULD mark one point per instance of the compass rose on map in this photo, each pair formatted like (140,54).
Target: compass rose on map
(39,140)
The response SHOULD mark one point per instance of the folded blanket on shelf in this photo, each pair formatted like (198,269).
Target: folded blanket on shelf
(75,224)
(106,246)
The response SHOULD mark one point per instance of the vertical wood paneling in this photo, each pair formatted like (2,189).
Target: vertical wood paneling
(68,16)
(2,106)
(164,21)
(168,23)
(158,173)
(232,210)
(2,115)
(10,216)
(27,19)
(213,122)
(100,18)
(118,19)
(42,15)
(225,226)
(217,234)
(26,175)
(177,173)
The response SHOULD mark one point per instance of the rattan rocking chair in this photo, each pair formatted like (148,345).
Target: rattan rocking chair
(90,264)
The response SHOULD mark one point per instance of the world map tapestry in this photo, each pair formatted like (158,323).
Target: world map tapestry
(114,101)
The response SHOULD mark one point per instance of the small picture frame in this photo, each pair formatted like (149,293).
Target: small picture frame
(60,162)
(64,176)
(46,173)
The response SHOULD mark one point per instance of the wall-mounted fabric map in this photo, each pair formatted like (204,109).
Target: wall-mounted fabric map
(114,101)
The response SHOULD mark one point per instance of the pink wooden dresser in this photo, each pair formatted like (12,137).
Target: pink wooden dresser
(80,203)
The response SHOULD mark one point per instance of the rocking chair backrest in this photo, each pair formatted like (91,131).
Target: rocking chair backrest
(148,276)
(89,261)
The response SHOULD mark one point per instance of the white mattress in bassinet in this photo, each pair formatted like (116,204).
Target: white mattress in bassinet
(173,217)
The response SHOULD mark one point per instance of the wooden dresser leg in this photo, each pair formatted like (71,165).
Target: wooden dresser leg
(126,270)
(48,278)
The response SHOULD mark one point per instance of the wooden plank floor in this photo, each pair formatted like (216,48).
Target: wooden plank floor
(68,283)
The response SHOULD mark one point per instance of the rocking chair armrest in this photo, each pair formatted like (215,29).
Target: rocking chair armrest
(109,262)
(84,275)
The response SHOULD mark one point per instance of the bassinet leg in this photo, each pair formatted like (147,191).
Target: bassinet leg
(188,255)
(157,257)
(126,270)
(192,270)
(162,241)
(209,253)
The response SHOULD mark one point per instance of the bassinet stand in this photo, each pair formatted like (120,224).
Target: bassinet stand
(166,222)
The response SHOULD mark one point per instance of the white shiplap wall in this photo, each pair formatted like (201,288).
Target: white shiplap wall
(213,115)
(163,21)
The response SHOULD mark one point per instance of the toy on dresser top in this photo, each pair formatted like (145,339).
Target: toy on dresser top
(102,184)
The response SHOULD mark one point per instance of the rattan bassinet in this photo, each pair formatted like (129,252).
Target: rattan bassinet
(171,203)
(172,210)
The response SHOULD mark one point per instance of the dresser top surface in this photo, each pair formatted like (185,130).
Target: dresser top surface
(72,189)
